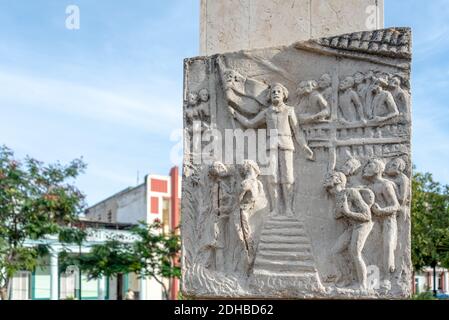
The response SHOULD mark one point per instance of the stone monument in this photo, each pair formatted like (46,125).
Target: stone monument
(296,177)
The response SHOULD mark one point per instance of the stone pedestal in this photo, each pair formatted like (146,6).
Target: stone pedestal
(234,25)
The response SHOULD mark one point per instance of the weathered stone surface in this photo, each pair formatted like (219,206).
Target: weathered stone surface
(233,25)
(316,203)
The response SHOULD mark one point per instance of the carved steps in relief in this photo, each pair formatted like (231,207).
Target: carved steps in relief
(284,247)
(278,224)
(284,260)
(283,256)
(298,239)
(283,232)
(285,268)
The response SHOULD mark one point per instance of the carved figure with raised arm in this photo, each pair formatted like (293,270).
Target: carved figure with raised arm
(281,122)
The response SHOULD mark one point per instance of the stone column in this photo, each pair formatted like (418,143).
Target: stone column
(234,25)
(143,288)
(446,281)
(54,275)
(102,288)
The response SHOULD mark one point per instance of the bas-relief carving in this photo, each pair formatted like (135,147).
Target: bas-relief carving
(282,118)
(314,105)
(252,235)
(355,210)
(197,110)
(383,196)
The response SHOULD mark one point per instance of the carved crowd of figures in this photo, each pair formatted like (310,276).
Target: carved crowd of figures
(379,192)
(371,97)
(226,237)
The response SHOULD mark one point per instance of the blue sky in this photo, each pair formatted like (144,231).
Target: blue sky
(112,91)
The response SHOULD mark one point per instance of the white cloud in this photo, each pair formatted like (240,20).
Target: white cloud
(111,106)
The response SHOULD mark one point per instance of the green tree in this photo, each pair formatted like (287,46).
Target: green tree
(36,200)
(154,254)
(430,222)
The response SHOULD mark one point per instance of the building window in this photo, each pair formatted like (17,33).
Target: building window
(69,283)
(166,215)
(110,216)
(158,185)
(21,286)
(154,205)
(89,288)
(134,284)
(41,281)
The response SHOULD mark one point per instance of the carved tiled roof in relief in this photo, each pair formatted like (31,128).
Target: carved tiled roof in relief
(393,42)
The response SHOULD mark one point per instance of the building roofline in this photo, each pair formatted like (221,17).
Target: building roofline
(128,189)
(105,225)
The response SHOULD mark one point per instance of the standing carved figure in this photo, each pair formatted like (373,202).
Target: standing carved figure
(325,86)
(281,121)
(203,107)
(385,207)
(361,86)
(401,96)
(350,169)
(251,198)
(383,106)
(313,107)
(191,111)
(370,80)
(355,211)
(350,106)
(215,225)
(395,172)
(197,111)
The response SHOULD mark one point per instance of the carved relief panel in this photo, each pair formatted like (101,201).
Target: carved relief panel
(296,180)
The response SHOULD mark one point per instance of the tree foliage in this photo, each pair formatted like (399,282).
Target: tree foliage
(430,222)
(154,255)
(36,200)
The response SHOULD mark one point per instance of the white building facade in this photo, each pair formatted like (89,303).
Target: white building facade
(50,282)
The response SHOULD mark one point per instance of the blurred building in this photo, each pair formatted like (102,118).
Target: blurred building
(50,282)
(424,280)
(157,198)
